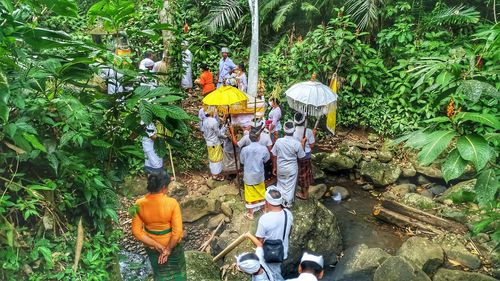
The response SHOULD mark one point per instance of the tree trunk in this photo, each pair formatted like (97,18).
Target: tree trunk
(253,68)
(165,18)
(403,221)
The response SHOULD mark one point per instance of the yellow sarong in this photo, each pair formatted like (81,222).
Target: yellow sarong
(254,194)
(215,153)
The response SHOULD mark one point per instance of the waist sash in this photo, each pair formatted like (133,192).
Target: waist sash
(159,232)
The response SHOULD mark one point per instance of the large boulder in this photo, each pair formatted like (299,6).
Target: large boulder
(134,186)
(359,263)
(200,267)
(352,152)
(317,191)
(432,171)
(344,193)
(335,161)
(457,275)
(215,183)
(422,253)
(195,208)
(419,201)
(398,269)
(457,188)
(455,250)
(399,191)
(381,174)
(222,192)
(318,174)
(385,155)
(177,190)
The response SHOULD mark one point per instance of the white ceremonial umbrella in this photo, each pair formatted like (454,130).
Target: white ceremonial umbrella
(311,98)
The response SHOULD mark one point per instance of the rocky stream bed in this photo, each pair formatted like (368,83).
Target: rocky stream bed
(356,245)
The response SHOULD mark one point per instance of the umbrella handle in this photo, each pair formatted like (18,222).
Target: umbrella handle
(317,122)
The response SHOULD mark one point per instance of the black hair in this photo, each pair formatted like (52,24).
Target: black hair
(299,115)
(241,66)
(148,54)
(204,66)
(276,101)
(275,194)
(157,180)
(310,266)
(249,256)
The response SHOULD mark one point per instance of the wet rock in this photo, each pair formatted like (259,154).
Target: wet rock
(437,189)
(200,267)
(317,191)
(361,144)
(408,171)
(177,190)
(400,190)
(335,161)
(134,266)
(422,253)
(352,152)
(213,222)
(418,201)
(359,263)
(214,183)
(457,275)
(384,155)
(398,269)
(453,214)
(456,250)
(381,174)
(226,209)
(368,187)
(425,192)
(318,174)
(195,208)
(457,188)
(421,180)
(223,191)
(432,171)
(342,190)
(373,137)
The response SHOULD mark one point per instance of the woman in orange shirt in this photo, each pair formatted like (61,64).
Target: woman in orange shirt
(206,80)
(158,224)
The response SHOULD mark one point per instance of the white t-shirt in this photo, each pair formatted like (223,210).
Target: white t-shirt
(304,277)
(152,159)
(262,277)
(264,140)
(271,226)
(299,135)
(211,131)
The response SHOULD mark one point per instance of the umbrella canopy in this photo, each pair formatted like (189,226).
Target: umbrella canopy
(225,95)
(311,98)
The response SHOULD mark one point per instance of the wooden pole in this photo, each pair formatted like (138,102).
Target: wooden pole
(230,247)
(235,156)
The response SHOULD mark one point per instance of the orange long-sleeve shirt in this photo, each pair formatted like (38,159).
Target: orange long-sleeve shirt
(207,82)
(158,212)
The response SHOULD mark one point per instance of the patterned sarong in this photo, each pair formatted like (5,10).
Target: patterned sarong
(175,267)
(306,177)
(254,195)
(215,153)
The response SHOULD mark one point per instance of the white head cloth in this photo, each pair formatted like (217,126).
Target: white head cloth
(270,199)
(145,63)
(224,50)
(297,119)
(151,130)
(185,43)
(250,266)
(312,258)
(288,129)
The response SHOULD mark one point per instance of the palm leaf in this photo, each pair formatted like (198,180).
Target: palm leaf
(365,12)
(281,15)
(458,15)
(225,13)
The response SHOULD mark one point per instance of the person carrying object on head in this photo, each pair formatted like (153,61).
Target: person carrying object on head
(285,152)
(273,230)
(254,264)
(307,140)
(226,67)
(152,163)
(310,268)
(253,157)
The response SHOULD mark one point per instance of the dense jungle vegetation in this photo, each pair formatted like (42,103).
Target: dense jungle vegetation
(425,71)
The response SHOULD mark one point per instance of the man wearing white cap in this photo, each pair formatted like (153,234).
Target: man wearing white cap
(310,268)
(285,152)
(147,63)
(275,225)
(254,263)
(226,67)
(187,58)
(153,163)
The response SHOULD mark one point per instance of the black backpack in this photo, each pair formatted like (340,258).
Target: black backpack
(274,250)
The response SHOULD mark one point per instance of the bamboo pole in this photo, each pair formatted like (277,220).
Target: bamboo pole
(230,247)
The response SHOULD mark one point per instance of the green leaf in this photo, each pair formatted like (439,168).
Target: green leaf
(417,140)
(482,118)
(474,148)
(444,78)
(487,185)
(176,112)
(41,187)
(168,99)
(438,142)
(454,166)
(101,143)
(440,119)
(34,142)
(47,255)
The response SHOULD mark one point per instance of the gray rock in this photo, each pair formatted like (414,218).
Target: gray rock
(373,137)
(458,188)
(200,267)
(401,190)
(455,250)
(368,187)
(398,269)
(223,191)
(409,171)
(213,222)
(381,174)
(135,186)
(318,174)
(437,189)
(352,152)
(418,201)
(214,183)
(317,191)
(194,209)
(177,190)
(425,192)
(458,275)
(421,180)
(335,161)
(453,214)
(385,155)
(359,263)
(361,144)
(422,253)
(342,190)
(225,207)
(432,171)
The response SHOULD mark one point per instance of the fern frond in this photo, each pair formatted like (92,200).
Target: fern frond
(281,15)
(225,13)
(267,7)
(365,12)
(458,15)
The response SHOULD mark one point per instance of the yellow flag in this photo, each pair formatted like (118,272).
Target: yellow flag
(331,117)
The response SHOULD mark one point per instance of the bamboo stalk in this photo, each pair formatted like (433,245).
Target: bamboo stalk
(230,247)
(79,245)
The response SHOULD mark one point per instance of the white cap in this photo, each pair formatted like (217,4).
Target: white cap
(312,258)
(270,199)
(185,43)
(224,50)
(148,62)
(289,127)
(151,130)
(249,266)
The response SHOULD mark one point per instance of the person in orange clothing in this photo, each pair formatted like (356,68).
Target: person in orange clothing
(158,224)
(206,80)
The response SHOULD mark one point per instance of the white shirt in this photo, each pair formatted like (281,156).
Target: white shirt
(225,66)
(264,140)
(152,159)
(304,277)
(253,157)
(211,131)
(275,116)
(287,150)
(113,80)
(271,226)
(262,277)
(242,82)
(299,135)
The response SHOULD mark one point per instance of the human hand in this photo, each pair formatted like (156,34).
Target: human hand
(274,171)
(163,258)
(314,132)
(303,142)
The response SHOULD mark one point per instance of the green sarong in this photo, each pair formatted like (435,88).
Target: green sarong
(175,267)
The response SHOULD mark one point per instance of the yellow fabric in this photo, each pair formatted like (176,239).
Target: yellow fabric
(331,117)
(225,95)
(255,193)
(215,153)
